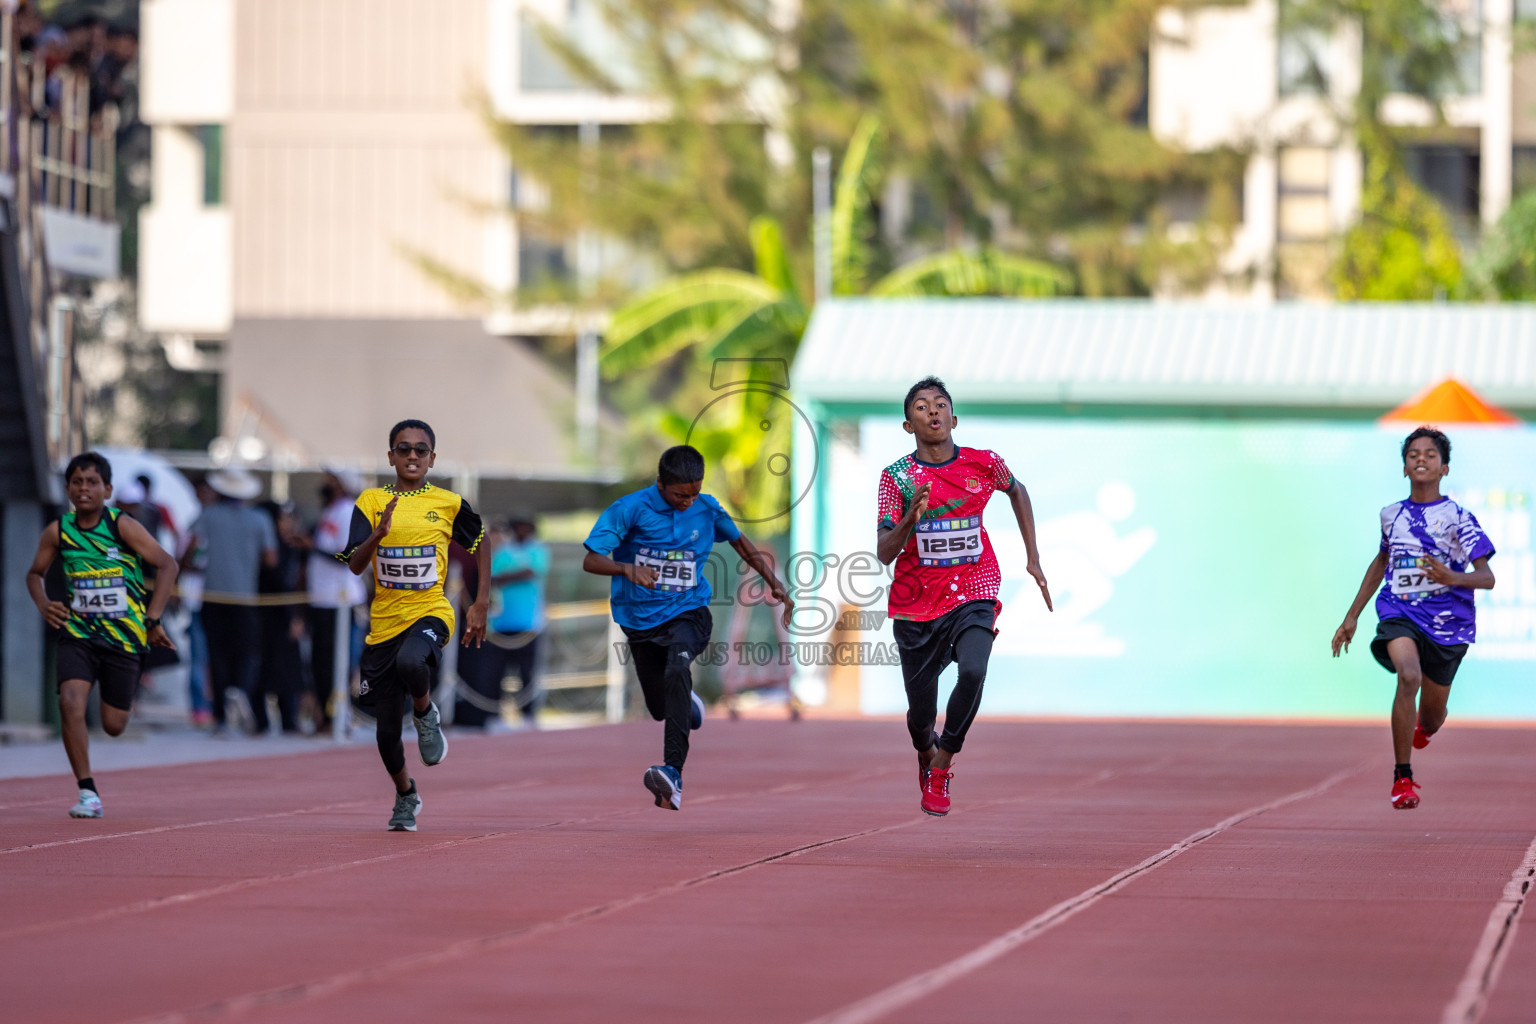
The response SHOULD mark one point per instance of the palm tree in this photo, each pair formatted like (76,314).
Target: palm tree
(722,313)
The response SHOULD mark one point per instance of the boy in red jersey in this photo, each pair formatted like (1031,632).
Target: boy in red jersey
(944,595)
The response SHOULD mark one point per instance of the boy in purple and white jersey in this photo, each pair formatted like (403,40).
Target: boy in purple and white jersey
(1424,606)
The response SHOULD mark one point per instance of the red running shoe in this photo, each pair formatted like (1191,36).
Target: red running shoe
(1420,738)
(1405,794)
(936,792)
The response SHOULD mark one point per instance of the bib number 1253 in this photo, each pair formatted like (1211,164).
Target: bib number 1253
(954,541)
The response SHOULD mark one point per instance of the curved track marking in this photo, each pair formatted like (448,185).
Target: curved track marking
(345,979)
(179,899)
(1471,998)
(924,985)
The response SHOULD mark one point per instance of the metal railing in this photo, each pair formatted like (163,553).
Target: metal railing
(58,156)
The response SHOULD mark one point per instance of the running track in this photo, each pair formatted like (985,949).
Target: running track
(1091,872)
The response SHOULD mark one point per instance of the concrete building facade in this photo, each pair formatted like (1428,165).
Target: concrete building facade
(1230,75)
(310,160)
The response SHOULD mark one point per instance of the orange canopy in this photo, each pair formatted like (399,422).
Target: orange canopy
(1448,402)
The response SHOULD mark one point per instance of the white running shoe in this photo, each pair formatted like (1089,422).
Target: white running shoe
(88,807)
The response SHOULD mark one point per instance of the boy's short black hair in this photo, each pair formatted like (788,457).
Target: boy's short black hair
(926,384)
(1441,441)
(682,464)
(89,460)
(394,431)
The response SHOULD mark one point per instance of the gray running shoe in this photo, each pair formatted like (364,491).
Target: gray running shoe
(237,710)
(88,807)
(407,806)
(429,737)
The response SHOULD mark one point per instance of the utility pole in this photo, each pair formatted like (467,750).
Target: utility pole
(821,204)
(588,268)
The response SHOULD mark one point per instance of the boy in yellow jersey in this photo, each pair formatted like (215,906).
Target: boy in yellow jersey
(403,531)
(105,628)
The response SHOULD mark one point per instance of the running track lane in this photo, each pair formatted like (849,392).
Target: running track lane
(798,882)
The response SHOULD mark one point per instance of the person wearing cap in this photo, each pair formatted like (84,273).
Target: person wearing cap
(332,586)
(238,541)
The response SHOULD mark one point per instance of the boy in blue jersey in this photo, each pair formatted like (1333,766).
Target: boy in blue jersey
(653,543)
(1433,554)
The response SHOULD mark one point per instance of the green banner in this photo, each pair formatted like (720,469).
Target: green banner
(1201,568)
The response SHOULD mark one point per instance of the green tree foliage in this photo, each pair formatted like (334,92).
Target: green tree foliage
(757,319)
(1402,247)
(1505,264)
(1017,125)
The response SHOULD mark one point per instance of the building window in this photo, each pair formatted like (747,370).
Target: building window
(211,138)
(1525,165)
(1453,176)
(1303,221)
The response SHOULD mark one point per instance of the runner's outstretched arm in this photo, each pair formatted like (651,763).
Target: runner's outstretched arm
(1368,586)
(1024,512)
(753,556)
(147,548)
(55,613)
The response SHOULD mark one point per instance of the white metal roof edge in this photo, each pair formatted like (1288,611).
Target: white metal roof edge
(1127,351)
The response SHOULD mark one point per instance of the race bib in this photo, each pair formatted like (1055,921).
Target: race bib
(413,568)
(100,597)
(675,570)
(955,541)
(1410,577)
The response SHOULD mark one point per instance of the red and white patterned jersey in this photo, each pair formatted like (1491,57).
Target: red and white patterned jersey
(948,561)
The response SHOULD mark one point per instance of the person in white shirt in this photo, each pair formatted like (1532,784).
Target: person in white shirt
(332,586)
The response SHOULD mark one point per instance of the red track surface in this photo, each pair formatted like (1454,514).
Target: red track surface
(799,883)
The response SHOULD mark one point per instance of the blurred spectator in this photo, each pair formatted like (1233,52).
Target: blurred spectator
(239,540)
(332,586)
(282,625)
(519,565)
(189,587)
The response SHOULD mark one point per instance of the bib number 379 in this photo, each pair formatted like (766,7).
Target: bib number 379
(409,568)
(954,541)
(1410,577)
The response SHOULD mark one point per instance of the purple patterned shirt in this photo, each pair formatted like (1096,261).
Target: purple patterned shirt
(1442,529)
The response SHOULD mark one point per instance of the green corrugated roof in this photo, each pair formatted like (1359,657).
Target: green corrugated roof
(1131,352)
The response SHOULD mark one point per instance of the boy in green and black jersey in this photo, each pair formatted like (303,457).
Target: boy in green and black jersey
(106,625)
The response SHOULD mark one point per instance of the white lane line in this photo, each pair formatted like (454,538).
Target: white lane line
(1471,999)
(239,1004)
(923,986)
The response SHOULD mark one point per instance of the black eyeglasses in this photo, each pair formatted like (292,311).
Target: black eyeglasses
(403,450)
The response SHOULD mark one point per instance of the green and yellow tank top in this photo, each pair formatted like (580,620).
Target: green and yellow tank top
(106,583)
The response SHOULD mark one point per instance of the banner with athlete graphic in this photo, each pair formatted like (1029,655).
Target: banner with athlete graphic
(1201,568)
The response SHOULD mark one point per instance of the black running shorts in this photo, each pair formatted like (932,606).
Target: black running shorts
(927,648)
(381,679)
(690,629)
(1438,662)
(114,668)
